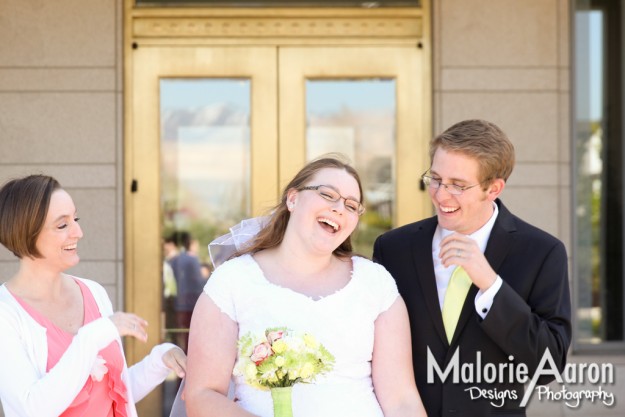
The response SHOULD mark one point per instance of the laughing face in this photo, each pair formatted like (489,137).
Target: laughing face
(57,242)
(468,212)
(325,224)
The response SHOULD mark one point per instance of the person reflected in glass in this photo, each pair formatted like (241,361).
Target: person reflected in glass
(170,288)
(189,284)
(300,272)
(61,348)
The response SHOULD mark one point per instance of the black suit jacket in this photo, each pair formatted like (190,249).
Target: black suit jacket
(530,313)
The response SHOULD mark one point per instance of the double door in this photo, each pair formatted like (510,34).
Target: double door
(215,132)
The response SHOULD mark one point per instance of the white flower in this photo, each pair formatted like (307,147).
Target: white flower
(99,369)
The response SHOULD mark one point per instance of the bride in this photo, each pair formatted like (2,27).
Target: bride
(299,272)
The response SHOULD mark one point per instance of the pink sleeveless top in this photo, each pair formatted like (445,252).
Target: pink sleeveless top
(104,398)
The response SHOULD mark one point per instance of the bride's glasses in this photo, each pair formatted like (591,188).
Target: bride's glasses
(330,194)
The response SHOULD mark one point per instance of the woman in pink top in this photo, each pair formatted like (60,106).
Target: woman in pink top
(61,347)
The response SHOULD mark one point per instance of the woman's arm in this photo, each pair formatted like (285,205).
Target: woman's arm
(212,354)
(393,378)
(25,391)
(147,374)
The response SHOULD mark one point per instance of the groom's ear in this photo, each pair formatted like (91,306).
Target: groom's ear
(495,188)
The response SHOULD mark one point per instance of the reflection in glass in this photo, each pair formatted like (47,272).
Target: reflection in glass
(357,118)
(599,173)
(205,186)
(589,189)
(205,154)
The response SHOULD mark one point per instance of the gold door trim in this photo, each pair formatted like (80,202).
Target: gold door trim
(243,27)
(275,26)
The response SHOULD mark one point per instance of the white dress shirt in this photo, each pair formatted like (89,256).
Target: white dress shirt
(483,299)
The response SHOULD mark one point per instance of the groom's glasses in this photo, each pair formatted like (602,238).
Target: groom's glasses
(453,189)
(330,194)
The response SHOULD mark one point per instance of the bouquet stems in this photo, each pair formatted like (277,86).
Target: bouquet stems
(282,406)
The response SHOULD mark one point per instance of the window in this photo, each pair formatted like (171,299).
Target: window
(598,165)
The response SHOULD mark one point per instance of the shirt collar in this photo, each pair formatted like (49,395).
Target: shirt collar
(480,236)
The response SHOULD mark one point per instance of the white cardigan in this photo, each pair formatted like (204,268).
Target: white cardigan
(26,390)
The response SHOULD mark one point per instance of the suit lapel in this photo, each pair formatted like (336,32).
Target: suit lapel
(501,237)
(424,265)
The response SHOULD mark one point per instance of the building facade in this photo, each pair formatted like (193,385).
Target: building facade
(85,89)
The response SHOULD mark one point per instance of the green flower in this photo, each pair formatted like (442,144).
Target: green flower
(250,370)
(279,346)
(293,374)
(279,361)
(310,341)
(307,370)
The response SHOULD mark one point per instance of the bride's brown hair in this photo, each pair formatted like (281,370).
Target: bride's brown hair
(272,234)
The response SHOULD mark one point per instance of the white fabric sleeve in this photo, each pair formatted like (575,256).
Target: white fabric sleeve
(385,288)
(151,371)
(219,287)
(24,391)
(145,375)
(484,299)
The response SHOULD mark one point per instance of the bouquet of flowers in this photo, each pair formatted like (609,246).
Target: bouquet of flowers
(278,359)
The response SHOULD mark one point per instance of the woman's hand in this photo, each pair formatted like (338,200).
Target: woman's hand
(176,360)
(129,324)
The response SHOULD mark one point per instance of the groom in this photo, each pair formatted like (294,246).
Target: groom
(481,285)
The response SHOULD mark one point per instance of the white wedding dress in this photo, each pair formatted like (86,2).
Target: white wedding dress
(343,322)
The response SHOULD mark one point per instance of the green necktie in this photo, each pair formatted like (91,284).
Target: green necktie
(457,290)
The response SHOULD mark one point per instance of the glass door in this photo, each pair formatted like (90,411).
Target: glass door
(216,132)
(203,156)
(366,104)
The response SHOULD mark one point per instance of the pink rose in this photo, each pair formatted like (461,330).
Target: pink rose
(275,335)
(261,352)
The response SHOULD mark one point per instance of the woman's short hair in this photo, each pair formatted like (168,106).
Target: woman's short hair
(24,204)
(481,140)
(273,233)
